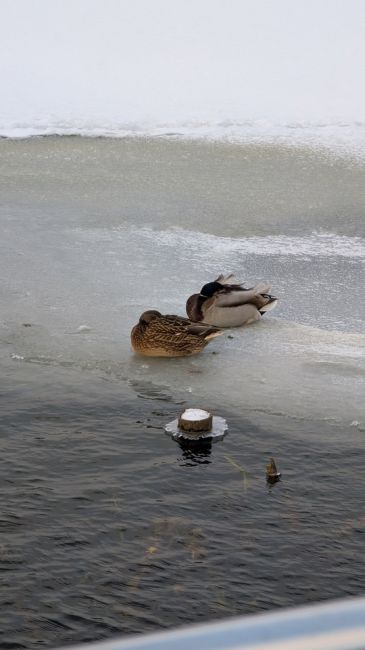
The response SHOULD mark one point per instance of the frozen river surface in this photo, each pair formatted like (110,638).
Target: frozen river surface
(108,525)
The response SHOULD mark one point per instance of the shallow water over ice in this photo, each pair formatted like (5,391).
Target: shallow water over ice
(95,232)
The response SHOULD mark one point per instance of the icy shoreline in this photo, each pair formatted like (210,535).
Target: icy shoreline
(341,139)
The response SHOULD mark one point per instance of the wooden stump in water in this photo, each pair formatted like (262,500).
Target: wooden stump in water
(195,420)
(272,474)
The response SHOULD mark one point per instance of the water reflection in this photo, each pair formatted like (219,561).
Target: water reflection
(195,452)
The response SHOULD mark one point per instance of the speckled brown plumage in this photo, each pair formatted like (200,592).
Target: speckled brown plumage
(156,335)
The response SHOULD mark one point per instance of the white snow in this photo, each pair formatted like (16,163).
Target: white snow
(195,414)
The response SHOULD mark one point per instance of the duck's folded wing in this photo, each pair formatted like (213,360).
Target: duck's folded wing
(180,325)
(204,330)
(177,320)
(234,298)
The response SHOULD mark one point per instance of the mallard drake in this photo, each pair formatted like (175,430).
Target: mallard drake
(226,303)
(156,335)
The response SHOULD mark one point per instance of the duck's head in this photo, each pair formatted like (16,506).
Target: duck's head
(149,315)
(210,289)
(194,304)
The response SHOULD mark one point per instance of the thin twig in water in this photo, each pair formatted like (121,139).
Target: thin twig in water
(240,469)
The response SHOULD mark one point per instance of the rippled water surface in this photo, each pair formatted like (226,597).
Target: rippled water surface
(108,526)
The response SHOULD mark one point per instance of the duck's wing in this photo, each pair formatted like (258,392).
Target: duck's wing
(165,331)
(173,318)
(181,324)
(175,332)
(232,296)
(204,330)
(230,283)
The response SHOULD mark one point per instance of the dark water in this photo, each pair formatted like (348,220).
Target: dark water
(109,527)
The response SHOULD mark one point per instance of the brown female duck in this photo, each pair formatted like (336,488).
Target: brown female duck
(226,303)
(156,335)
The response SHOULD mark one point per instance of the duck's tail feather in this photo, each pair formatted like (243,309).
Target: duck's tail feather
(212,335)
(207,332)
(271,304)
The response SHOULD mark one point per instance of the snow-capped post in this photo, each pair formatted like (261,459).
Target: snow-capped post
(195,420)
(197,424)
